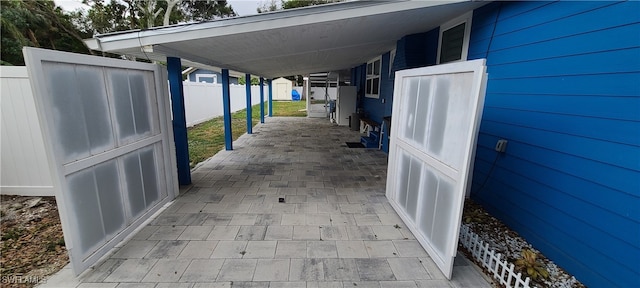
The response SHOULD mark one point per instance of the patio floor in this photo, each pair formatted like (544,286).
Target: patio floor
(335,228)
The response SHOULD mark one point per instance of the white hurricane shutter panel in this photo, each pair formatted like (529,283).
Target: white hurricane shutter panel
(437,113)
(108,138)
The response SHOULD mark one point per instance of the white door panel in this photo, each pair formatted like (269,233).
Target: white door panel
(437,113)
(345,104)
(107,136)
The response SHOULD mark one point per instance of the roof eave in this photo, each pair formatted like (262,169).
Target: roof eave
(258,22)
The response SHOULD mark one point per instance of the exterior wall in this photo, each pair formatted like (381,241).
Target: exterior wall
(25,168)
(563,90)
(375,108)
(416,50)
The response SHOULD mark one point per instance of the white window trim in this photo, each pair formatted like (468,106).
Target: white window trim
(372,77)
(392,59)
(466,17)
(214,76)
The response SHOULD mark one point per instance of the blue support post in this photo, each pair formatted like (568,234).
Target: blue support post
(261,100)
(174,70)
(270,98)
(226,109)
(249,112)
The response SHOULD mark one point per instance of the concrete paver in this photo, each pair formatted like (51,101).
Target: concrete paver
(374,269)
(202,270)
(334,229)
(291,249)
(272,270)
(408,269)
(237,270)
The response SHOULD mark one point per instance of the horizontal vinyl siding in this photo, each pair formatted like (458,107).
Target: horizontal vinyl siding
(415,50)
(564,89)
(374,108)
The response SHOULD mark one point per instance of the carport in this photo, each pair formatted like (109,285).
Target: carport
(301,41)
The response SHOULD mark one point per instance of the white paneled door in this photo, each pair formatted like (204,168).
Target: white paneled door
(107,133)
(436,113)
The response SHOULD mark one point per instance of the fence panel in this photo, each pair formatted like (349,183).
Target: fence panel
(25,168)
(203,101)
(502,270)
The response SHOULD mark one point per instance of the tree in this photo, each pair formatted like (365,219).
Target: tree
(119,15)
(298,80)
(104,17)
(272,5)
(254,81)
(200,10)
(267,6)
(290,4)
(42,24)
(37,24)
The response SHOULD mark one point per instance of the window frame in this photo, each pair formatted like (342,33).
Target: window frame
(465,18)
(372,76)
(212,76)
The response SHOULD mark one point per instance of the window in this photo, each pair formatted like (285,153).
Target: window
(373,78)
(454,39)
(207,78)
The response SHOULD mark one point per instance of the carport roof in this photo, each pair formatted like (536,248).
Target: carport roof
(290,42)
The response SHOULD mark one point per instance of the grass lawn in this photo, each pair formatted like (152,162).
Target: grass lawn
(288,108)
(206,139)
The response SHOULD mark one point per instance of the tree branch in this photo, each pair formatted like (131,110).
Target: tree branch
(167,14)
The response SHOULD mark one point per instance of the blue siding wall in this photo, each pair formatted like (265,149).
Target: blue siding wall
(373,108)
(415,50)
(564,89)
(358,76)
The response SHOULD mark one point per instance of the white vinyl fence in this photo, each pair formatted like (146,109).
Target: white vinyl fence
(500,268)
(203,101)
(24,167)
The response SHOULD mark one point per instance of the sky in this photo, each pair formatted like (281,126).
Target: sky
(242,7)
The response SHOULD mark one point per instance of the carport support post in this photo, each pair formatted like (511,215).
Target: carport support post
(270,98)
(226,109)
(174,70)
(261,100)
(247,85)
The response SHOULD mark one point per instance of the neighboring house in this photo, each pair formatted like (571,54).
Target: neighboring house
(206,76)
(564,90)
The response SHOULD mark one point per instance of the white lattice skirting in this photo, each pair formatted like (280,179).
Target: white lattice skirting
(501,269)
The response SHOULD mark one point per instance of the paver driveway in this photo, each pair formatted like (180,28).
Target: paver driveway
(229,229)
